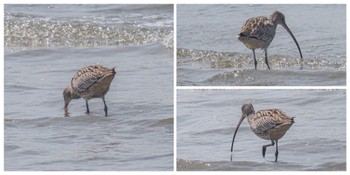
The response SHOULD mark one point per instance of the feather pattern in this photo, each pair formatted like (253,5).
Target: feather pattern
(257,32)
(92,81)
(270,123)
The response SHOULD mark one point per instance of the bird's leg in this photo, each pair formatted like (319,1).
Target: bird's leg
(104,102)
(255,62)
(264,147)
(87,107)
(276,153)
(267,63)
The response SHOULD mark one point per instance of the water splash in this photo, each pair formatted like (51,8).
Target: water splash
(25,31)
(222,60)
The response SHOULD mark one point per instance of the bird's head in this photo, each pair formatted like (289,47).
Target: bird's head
(247,109)
(278,18)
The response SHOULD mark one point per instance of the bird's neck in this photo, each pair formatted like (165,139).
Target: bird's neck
(72,93)
(250,117)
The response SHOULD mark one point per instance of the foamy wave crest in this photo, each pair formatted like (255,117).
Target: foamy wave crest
(26,31)
(220,60)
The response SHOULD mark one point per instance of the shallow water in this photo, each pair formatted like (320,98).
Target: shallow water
(137,134)
(208,48)
(207,118)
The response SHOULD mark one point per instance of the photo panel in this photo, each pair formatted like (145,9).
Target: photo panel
(308,127)
(216,44)
(88,87)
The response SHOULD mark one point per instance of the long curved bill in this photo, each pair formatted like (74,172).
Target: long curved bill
(296,42)
(234,135)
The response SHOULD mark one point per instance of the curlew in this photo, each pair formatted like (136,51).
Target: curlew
(258,33)
(268,124)
(89,82)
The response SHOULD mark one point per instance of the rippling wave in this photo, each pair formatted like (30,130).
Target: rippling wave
(24,30)
(87,141)
(194,165)
(207,67)
(47,121)
(220,60)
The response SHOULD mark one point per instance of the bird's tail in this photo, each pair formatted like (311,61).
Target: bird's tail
(113,70)
(292,119)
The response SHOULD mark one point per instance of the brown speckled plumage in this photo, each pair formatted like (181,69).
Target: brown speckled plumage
(268,124)
(258,33)
(89,82)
